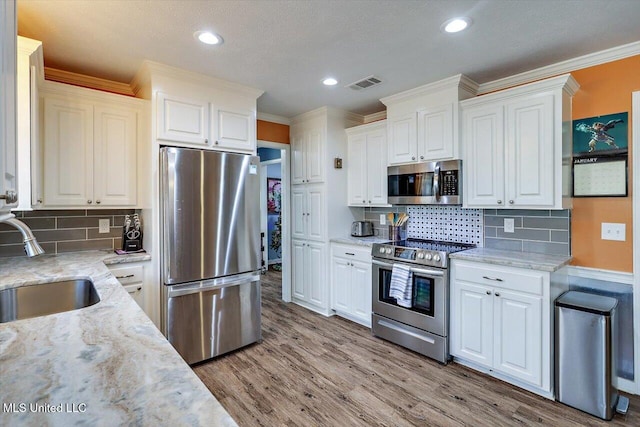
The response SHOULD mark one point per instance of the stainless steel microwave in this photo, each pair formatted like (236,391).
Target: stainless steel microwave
(427,183)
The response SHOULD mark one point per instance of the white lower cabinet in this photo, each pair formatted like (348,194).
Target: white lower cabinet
(131,277)
(309,278)
(501,322)
(351,282)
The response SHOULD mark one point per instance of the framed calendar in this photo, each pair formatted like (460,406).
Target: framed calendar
(598,176)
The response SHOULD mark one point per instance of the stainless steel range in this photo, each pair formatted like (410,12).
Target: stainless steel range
(424,326)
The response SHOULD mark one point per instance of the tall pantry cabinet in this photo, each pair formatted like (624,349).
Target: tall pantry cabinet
(318,201)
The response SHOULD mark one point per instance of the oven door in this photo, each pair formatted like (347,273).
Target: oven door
(430,299)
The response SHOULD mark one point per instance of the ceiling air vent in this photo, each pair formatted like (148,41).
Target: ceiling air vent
(365,83)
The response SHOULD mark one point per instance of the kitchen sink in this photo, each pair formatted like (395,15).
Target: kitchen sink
(46,298)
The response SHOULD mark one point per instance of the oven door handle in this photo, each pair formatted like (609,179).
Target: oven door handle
(433,273)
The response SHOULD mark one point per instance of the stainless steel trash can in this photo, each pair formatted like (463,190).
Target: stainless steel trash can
(585,362)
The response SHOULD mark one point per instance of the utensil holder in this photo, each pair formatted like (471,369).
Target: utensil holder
(397,233)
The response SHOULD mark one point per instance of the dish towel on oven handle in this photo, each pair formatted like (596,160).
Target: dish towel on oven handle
(401,286)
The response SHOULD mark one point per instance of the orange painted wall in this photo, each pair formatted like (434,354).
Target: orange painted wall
(274,132)
(604,89)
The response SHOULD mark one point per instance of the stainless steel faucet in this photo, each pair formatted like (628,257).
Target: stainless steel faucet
(31,246)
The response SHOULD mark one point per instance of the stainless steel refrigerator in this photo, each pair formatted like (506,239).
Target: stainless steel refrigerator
(210,223)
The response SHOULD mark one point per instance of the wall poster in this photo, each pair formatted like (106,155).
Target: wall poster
(600,156)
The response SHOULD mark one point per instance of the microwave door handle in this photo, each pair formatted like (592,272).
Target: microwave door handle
(436,181)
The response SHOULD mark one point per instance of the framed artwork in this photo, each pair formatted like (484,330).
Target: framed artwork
(274,195)
(601,135)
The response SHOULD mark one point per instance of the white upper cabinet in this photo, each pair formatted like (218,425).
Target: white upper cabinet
(182,120)
(422,123)
(90,148)
(307,161)
(367,164)
(8,159)
(199,123)
(233,129)
(517,147)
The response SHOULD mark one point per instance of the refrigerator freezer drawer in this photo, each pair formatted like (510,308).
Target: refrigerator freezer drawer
(214,320)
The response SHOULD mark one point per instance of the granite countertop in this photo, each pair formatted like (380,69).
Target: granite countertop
(106,364)
(533,261)
(361,241)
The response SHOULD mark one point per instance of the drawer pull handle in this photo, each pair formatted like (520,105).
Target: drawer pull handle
(488,292)
(138,289)
(125,277)
(496,279)
(497,294)
(349,253)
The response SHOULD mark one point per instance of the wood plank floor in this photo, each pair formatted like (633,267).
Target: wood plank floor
(315,371)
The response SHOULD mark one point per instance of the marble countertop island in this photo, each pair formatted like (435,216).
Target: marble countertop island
(533,261)
(102,365)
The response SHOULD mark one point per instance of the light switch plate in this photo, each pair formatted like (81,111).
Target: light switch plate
(103,225)
(383,219)
(509,225)
(613,231)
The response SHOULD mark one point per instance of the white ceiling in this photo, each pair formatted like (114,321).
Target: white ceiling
(286,47)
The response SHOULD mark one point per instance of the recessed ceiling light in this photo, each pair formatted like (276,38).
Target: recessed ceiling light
(456,24)
(329,81)
(208,37)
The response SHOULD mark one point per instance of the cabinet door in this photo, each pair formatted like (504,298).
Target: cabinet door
(518,335)
(298,269)
(377,167)
(8,161)
(472,323)
(360,285)
(233,129)
(315,213)
(435,133)
(115,149)
(315,156)
(402,138)
(137,293)
(357,163)
(341,285)
(299,213)
(530,155)
(298,166)
(483,139)
(68,150)
(182,120)
(316,277)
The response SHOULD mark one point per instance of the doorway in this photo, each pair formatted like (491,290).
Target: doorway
(274,211)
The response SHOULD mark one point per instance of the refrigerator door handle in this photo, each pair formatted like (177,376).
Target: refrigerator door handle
(208,285)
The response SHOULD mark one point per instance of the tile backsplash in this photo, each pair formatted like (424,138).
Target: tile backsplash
(59,231)
(540,231)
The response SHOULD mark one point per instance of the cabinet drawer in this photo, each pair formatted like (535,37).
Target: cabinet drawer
(129,274)
(521,280)
(359,253)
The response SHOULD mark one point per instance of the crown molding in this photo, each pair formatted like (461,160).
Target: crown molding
(374,117)
(273,118)
(155,68)
(64,89)
(325,112)
(96,83)
(367,127)
(458,81)
(590,60)
(32,48)
(565,82)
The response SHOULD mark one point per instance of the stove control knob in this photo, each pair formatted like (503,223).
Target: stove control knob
(436,258)
(388,251)
(428,257)
(420,255)
(381,250)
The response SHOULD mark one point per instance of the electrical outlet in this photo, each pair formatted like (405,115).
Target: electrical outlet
(613,231)
(103,225)
(509,225)
(383,219)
